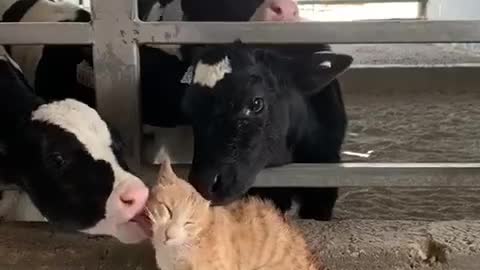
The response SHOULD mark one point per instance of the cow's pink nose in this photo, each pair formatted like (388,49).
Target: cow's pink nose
(284,9)
(133,199)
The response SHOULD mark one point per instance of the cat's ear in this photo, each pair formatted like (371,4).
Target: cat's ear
(166,175)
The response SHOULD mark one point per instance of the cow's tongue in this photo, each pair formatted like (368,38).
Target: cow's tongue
(144,222)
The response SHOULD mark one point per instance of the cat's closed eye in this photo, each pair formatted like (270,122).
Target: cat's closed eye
(162,213)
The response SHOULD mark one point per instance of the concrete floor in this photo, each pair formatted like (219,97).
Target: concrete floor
(346,245)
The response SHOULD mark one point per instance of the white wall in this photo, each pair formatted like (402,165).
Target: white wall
(455,10)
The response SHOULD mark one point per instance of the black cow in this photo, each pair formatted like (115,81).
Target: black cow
(316,203)
(253,108)
(68,161)
(40,62)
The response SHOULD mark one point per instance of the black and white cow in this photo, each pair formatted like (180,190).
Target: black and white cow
(40,63)
(65,71)
(162,67)
(65,157)
(162,71)
(253,108)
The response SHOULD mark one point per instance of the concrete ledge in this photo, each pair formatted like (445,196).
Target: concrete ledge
(346,245)
(398,245)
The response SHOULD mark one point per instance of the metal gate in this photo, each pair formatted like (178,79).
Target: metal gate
(115,33)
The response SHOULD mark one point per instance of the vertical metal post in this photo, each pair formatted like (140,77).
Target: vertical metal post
(117,74)
(422,9)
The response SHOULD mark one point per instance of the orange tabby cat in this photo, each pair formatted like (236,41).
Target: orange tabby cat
(250,234)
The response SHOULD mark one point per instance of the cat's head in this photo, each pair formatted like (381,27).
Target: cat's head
(178,213)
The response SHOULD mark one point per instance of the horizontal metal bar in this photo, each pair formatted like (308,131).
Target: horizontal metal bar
(358,175)
(8,187)
(46,33)
(354,175)
(372,175)
(415,31)
(417,66)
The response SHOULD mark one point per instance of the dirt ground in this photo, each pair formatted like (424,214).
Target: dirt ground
(438,125)
(343,245)
(408,54)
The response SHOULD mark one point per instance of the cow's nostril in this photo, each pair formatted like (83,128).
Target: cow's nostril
(133,197)
(276,9)
(217,183)
(127,202)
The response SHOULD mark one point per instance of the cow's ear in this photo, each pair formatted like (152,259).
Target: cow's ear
(238,43)
(322,68)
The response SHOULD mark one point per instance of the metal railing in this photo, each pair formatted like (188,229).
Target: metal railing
(422,8)
(115,33)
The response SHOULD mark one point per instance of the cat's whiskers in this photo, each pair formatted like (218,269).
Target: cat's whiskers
(249,234)
(151,216)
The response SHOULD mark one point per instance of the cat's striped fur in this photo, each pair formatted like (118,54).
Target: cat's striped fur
(250,234)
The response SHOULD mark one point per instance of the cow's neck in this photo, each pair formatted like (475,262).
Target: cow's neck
(17,101)
(317,131)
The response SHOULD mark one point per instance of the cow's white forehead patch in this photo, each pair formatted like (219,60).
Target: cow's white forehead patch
(48,11)
(79,119)
(90,130)
(87,126)
(209,75)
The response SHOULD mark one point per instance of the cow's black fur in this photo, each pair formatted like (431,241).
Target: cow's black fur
(57,60)
(303,121)
(63,180)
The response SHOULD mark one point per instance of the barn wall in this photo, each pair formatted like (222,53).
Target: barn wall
(455,10)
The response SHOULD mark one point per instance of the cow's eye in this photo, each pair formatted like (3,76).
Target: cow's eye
(254,79)
(57,160)
(257,105)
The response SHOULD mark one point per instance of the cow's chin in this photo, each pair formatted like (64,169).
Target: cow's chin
(130,232)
